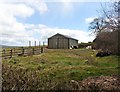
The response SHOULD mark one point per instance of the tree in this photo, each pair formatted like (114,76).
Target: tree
(107,29)
(97,25)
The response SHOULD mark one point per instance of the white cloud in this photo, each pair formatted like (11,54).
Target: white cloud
(67,7)
(39,5)
(13,32)
(90,19)
(44,32)
(78,0)
(17,33)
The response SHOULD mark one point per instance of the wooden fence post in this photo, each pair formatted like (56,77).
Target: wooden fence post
(14,50)
(35,43)
(11,53)
(3,53)
(42,49)
(33,51)
(29,43)
(23,51)
(39,44)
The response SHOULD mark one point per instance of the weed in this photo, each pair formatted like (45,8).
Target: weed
(54,70)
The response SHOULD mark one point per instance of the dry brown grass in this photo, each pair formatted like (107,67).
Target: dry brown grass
(56,70)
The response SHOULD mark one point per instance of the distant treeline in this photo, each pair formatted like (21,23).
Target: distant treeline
(6,46)
(83,45)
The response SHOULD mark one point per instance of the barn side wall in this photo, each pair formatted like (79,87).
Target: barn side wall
(50,43)
(58,42)
(73,42)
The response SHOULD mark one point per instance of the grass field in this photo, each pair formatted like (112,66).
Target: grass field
(54,69)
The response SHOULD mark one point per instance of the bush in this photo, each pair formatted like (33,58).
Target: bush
(107,41)
(83,45)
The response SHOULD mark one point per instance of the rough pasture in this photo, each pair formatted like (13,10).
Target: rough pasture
(56,69)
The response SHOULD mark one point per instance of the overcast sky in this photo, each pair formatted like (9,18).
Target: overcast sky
(36,20)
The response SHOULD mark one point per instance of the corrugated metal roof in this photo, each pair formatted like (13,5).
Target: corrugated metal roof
(66,36)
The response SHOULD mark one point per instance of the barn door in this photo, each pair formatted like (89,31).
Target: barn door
(57,43)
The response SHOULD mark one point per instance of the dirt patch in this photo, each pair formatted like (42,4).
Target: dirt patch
(101,84)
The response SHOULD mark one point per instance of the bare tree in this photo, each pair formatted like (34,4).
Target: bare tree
(106,28)
(98,25)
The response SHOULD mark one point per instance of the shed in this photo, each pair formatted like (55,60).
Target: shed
(60,41)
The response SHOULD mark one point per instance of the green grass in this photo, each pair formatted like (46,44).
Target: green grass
(54,67)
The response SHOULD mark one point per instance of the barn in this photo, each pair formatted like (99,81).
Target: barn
(59,41)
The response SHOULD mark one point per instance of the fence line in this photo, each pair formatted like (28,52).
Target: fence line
(9,53)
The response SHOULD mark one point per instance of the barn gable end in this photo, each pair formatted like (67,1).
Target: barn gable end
(59,41)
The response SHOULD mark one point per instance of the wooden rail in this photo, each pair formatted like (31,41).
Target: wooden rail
(9,53)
